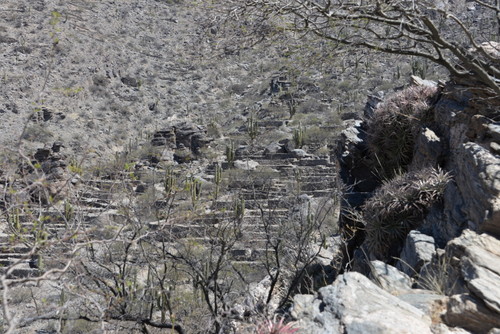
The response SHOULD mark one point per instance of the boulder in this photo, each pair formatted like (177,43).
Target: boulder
(467,312)
(355,167)
(354,304)
(372,103)
(306,308)
(183,155)
(288,145)
(273,148)
(182,135)
(388,277)
(42,154)
(164,137)
(477,179)
(479,260)
(443,329)
(418,250)
(245,164)
(428,150)
(447,221)
(418,81)
(425,300)
(299,153)
(130,81)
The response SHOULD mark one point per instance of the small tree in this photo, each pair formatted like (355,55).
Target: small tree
(436,31)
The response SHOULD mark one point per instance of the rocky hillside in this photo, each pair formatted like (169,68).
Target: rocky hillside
(439,270)
(156,175)
(97,75)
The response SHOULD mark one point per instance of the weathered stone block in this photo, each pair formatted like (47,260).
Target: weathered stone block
(418,250)
(478,180)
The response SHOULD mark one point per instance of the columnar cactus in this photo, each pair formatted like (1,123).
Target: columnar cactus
(230,153)
(299,136)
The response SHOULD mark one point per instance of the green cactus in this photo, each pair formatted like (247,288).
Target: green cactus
(169,181)
(68,211)
(15,220)
(217,180)
(298,180)
(292,108)
(194,186)
(162,305)
(419,68)
(252,127)
(239,208)
(299,136)
(230,153)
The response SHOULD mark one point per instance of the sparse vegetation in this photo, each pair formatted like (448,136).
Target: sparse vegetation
(143,223)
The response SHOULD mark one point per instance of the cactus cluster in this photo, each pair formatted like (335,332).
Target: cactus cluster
(400,206)
(394,126)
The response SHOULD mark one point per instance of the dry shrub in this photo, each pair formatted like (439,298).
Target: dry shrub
(398,207)
(440,275)
(394,126)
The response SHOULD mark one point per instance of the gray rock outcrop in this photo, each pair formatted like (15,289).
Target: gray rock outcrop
(479,257)
(419,249)
(388,277)
(478,180)
(183,135)
(429,150)
(354,304)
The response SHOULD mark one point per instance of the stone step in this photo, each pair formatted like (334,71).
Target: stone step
(96,203)
(93,194)
(254,254)
(290,170)
(13,249)
(249,226)
(8,238)
(8,261)
(21,272)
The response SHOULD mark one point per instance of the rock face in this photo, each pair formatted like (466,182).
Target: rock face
(429,149)
(469,313)
(388,277)
(479,257)
(464,118)
(182,136)
(418,250)
(354,304)
(478,180)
